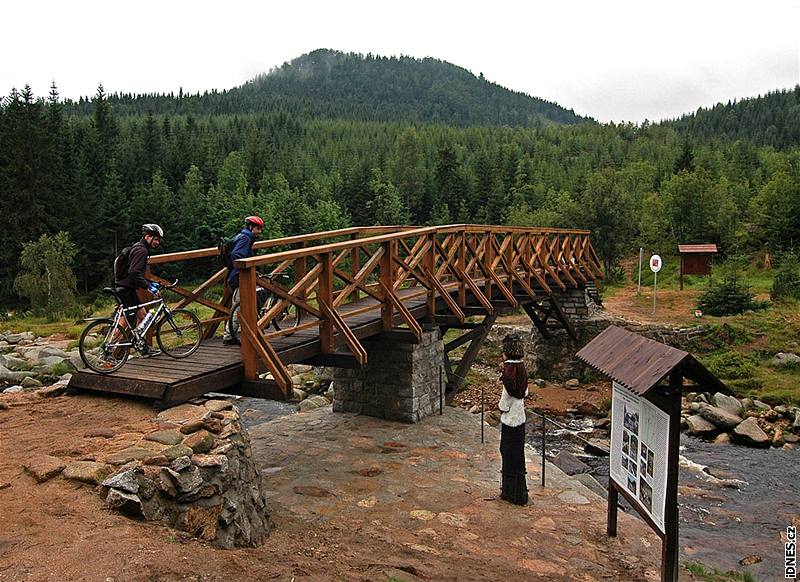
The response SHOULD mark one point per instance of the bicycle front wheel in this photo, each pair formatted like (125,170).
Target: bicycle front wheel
(179,334)
(104,347)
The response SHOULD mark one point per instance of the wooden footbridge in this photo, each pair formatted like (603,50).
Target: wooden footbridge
(354,284)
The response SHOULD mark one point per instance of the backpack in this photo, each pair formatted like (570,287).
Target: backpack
(121,264)
(224,248)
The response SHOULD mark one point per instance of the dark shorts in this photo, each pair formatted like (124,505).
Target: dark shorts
(128,296)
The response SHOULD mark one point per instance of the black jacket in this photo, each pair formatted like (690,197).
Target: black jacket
(137,266)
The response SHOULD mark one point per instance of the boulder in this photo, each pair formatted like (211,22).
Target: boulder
(48,351)
(722,439)
(8,376)
(748,432)
(31,382)
(50,363)
(747,403)
(573,384)
(699,426)
(721,418)
(761,405)
(589,409)
(43,467)
(539,382)
(87,472)
(728,403)
(570,464)
(12,362)
(783,359)
(56,389)
(298,394)
(13,389)
(15,338)
(313,402)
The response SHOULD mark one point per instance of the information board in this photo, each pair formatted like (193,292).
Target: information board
(639,450)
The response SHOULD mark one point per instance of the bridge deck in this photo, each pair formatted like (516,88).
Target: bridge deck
(218,368)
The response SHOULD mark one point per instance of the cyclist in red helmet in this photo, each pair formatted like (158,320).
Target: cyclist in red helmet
(241,247)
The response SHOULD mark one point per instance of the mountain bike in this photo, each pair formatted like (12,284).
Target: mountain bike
(289,316)
(106,343)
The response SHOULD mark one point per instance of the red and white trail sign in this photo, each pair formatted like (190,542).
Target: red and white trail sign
(656,263)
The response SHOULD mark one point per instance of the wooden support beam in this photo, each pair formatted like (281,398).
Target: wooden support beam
(405,314)
(352,342)
(460,373)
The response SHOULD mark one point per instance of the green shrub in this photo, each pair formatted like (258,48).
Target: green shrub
(786,284)
(732,365)
(615,275)
(728,297)
(46,278)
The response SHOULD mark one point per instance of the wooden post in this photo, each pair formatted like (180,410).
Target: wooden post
(387,281)
(681,272)
(613,498)
(430,267)
(488,257)
(300,270)
(355,265)
(326,297)
(248,312)
(669,544)
(462,265)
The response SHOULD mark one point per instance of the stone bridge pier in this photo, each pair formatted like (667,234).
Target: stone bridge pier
(401,381)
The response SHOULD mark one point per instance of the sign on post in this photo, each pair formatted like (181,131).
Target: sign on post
(655,265)
(639,451)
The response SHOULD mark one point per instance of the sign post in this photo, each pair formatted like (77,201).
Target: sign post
(655,266)
(639,286)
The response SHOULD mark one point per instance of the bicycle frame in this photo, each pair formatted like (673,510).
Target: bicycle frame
(138,335)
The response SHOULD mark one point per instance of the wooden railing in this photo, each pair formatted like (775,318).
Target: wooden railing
(341,275)
(447,263)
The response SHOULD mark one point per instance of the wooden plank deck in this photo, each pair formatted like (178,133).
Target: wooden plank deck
(215,367)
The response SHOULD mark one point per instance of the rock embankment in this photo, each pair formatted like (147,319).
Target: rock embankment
(192,469)
(749,422)
(28,362)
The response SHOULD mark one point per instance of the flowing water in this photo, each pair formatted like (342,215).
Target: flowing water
(734,501)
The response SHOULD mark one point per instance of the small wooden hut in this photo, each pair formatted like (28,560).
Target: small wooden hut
(696,259)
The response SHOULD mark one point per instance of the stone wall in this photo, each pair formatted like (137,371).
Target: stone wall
(401,381)
(196,474)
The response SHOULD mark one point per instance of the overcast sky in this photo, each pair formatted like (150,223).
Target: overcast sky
(613,60)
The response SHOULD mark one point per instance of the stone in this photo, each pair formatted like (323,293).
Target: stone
(50,363)
(572,497)
(748,432)
(124,480)
(182,412)
(212,425)
(602,422)
(699,426)
(192,426)
(589,409)
(12,390)
(791,438)
(200,441)
(127,503)
(572,384)
(56,389)
(298,394)
(176,451)
(747,403)
(539,382)
(158,460)
(15,338)
(788,447)
(181,464)
(165,437)
(761,405)
(722,439)
(591,484)
(135,453)
(168,481)
(313,402)
(721,418)
(777,438)
(190,481)
(210,460)
(87,472)
(103,433)
(570,464)
(218,405)
(728,403)
(12,362)
(43,467)
(783,359)
(3,405)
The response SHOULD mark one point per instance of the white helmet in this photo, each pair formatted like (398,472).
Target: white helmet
(153,229)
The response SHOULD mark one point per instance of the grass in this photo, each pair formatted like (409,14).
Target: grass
(714,575)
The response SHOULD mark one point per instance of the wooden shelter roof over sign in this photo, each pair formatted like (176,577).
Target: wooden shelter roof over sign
(640,364)
(704,248)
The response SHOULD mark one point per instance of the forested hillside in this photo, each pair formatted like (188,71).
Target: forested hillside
(772,120)
(333,84)
(99,176)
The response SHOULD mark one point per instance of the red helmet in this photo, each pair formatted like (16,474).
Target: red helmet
(254,221)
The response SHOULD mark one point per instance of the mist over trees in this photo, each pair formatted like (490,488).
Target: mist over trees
(99,169)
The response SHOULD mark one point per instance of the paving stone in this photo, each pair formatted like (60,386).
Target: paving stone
(165,437)
(176,451)
(87,472)
(200,441)
(43,467)
(218,405)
